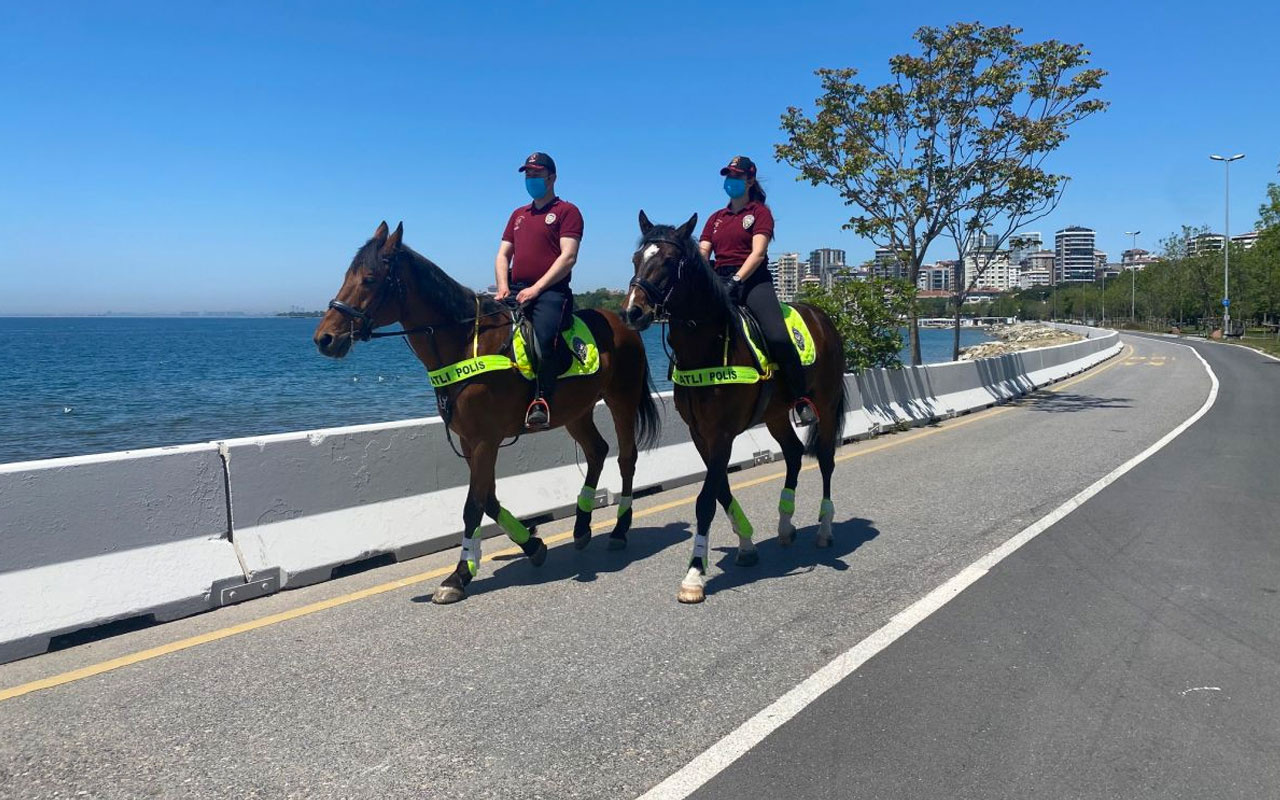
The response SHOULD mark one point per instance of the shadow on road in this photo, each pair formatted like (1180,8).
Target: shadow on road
(584,566)
(801,557)
(1059,402)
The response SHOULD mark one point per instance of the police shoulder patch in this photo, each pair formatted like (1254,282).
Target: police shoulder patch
(748,221)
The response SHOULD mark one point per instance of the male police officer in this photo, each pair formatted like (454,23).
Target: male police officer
(543,240)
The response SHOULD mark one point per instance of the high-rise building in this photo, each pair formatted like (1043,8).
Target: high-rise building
(1245,240)
(1074,260)
(936,277)
(825,261)
(1037,269)
(1022,245)
(990,270)
(787,271)
(1204,243)
(890,263)
(1099,263)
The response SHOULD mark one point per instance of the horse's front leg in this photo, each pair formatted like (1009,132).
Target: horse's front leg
(482,459)
(716,457)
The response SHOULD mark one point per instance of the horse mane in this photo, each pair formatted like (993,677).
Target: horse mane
(700,279)
(453,300)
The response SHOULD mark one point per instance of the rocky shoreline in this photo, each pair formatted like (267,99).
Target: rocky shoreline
(1019,336)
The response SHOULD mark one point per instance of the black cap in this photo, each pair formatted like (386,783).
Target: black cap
(539,160)
(740,165)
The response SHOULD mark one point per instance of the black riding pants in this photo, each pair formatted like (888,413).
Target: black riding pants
(549,312)
(762,300)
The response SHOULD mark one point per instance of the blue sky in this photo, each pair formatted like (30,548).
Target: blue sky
(175,156)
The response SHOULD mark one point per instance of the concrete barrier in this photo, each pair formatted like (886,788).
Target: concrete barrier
(94,539)
(179,530)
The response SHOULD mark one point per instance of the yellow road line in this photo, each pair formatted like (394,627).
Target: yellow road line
(334,602)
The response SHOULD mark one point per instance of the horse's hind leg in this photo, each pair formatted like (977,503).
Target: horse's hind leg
(595,449)
(826,464)
(793,453)
(747,555)
(624,425)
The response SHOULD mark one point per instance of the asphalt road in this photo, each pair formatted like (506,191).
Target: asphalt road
(1076,668)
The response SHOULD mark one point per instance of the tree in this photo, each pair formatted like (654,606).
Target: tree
(909,153)
(1269,212)
(1012,106)
(868,315)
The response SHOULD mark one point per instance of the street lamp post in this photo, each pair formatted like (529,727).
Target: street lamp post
(1226,244)
(1133,279)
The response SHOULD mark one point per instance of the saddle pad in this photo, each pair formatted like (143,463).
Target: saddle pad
(581,343)
(800,337)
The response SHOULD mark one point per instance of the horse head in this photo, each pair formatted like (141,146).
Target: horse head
(370,297)
(661,260)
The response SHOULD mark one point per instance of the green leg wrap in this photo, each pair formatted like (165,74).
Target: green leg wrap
(587,499)
(514,527)
(787,501)
(827,510)
(741,525)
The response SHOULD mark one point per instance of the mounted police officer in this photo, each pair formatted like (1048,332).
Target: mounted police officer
(538,250)
(738,236)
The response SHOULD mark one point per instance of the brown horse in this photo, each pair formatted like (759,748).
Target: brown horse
(672,280)
(448,324)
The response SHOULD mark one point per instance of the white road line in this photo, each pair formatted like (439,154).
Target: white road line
(720,755)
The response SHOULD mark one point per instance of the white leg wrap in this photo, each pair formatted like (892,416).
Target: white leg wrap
(694,578)
(700,547)
(785,528)
(471,550)
(825,516)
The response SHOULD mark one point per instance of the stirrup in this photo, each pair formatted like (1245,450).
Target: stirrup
(804,412)
(538,415)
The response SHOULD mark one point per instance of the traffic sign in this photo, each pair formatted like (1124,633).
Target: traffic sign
(1226,301)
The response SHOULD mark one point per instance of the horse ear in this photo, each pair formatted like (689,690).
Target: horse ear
(393,241)
(687,228)
(645,224)
(381,233)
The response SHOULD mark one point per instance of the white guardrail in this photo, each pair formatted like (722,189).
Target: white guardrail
(152,535)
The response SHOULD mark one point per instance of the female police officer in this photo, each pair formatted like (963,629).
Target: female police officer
(738,235)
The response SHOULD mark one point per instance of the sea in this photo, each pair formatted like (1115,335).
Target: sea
(78,385)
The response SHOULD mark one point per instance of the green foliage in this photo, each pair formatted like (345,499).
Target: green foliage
(602,299)
(868,315)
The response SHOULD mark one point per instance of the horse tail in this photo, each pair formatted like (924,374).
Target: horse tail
(648,420)
(835,351)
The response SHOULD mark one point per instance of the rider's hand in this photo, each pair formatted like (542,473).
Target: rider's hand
(527,295)
(502,293)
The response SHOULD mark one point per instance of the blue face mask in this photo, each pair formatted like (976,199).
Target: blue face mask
(735,187)
(536,187)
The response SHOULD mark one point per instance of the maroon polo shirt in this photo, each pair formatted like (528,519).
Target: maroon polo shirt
(730,233)
(535,235)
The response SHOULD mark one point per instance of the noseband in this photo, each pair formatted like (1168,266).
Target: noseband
(651,290)
(391,283)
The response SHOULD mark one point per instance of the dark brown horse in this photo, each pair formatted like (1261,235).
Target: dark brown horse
(672,280)
(448,324)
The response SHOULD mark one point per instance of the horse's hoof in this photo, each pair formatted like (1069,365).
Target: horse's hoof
(822,542)
(581,542)
(748,559)
(538,557)
(444,595)
(617,543)
(787,538)
(691,594)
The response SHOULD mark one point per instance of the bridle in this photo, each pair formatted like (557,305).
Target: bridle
(652,291)
(391,283)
